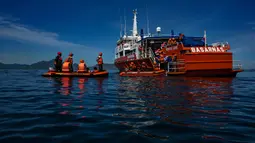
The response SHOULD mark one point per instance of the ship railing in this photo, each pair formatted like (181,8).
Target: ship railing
(237,65)
(176,66)
(156,35)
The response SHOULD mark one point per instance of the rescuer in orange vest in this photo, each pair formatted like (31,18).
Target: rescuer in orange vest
(82,67)
(68,64)
(100,61)
(156,68)
(144,66)
(132,67)
(69,59)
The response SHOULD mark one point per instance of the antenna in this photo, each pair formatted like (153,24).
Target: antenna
(125,28)
(135,23)
(120,25)
(148,30)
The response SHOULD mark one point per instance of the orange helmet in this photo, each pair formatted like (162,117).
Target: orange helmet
(100,54)
(81,61)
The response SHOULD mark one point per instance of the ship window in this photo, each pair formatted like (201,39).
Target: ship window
(121,53)
(193,42)
(128,52)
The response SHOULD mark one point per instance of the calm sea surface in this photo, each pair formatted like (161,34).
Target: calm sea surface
(121,109)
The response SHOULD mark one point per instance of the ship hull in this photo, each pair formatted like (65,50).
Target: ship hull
(143,73)
(206,73)
(122,65)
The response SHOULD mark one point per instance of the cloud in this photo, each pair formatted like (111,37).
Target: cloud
(9,28)
(252,24)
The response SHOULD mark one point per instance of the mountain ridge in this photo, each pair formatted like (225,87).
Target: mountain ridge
(46,64)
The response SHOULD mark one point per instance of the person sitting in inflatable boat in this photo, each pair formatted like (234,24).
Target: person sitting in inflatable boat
(82,67)
(95,70)
(144,67)
(132,67)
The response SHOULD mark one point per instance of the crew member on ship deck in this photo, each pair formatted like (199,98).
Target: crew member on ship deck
(162,60)
(174,62)
(58,62)
(167,60)
(100,61)
(155,65)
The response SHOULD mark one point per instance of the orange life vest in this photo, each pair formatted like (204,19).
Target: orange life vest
(65,67)
(99,60)
(133,66)
(82,67)
(96,71)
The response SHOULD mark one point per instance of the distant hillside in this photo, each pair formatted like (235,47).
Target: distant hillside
(45,65)
(106,66)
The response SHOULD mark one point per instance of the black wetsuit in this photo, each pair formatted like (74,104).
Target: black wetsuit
(58,63)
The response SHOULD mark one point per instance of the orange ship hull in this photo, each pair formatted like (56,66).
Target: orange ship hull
(205,65)
(206,73)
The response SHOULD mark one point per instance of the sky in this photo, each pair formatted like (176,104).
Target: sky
(35,30)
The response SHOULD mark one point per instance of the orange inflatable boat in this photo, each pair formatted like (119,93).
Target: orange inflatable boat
(143,73)
(75,74)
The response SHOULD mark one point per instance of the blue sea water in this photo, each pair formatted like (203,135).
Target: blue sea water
(120,109)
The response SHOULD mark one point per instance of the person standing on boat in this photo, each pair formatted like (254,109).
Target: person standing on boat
(167,60)
(174,62)
(162,60)
(58,62)
(70,61)
(100,61)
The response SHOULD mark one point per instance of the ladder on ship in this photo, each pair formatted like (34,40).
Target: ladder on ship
(176,66)
(150,55)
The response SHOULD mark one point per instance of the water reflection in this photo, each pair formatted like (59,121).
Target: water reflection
(81,86)
(75,90)
(187,102)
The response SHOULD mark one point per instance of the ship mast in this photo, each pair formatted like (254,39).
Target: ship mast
(125,27)
(135,23)
(120,27)
(148,30)
(205,38)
